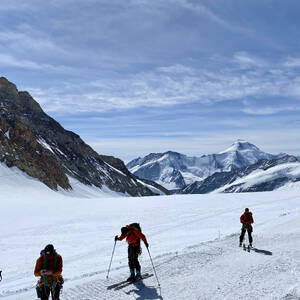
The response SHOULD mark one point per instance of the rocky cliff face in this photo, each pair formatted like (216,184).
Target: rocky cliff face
(38,145)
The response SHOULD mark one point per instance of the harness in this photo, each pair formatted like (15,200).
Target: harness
(53,283)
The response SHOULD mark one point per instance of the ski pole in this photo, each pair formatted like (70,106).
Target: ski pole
(153,267)
(0,275)
(111,259)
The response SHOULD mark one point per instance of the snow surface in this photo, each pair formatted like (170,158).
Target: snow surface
(289,170)
(193,242)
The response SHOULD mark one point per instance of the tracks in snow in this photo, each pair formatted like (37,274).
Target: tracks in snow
(212,270)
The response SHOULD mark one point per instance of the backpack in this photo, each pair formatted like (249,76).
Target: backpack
(247,217)
(136,225)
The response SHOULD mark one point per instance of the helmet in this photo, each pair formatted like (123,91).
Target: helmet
(49,249)
(124,230)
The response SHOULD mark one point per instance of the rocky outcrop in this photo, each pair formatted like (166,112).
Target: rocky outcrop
(38,145)
(119,164)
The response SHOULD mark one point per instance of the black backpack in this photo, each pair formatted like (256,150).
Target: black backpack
(136,225)
(247,217)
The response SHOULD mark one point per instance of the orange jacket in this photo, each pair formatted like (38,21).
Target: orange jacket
(133,236)
(246,218)
(50,266)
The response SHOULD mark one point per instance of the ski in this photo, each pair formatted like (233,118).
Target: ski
(124,283)
(246,248)
(134,281)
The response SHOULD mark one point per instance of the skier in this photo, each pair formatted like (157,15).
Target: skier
(49,267)
(133,236)
(246,219)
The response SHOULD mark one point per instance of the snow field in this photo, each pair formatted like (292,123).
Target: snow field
(193,241)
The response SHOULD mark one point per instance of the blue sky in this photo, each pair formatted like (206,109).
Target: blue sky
(139,76)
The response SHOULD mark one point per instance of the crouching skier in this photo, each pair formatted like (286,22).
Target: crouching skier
(246,219)
(133,235)
(49,267)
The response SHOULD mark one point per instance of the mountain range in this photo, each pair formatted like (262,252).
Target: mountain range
(176,171)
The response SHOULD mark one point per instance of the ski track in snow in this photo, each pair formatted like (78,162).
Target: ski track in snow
(190,274)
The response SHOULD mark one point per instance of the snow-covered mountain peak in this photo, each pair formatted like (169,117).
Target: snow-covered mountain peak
(241,145)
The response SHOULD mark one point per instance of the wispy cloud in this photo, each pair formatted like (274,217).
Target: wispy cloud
(292,62)
(178,84)
(269,110)
(246,60)
(10,61)
(177,69)
(200,8)
(15,5)
(29,39)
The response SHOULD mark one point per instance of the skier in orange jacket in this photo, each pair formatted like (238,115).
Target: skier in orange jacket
(133,235)
(247,220)
(49,267)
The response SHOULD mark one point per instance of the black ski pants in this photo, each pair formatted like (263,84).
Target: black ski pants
(46,292)
(249,229)
(133,254)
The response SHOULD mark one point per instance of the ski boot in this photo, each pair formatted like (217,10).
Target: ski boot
(138,275)
(131,277)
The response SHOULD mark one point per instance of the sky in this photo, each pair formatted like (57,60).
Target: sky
(139,76)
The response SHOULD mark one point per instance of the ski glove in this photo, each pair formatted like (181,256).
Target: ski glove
(147,245)
(116,238)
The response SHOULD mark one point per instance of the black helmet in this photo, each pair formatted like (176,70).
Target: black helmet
(246,209)
(49,249)
(124,230)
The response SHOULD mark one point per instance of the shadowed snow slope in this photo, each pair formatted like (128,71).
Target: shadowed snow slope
(193,241)
(14,182)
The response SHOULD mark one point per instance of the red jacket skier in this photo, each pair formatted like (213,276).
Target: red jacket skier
(247,220)
(133,235)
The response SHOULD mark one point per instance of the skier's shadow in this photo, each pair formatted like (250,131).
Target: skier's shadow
(265,252)
(145,292)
